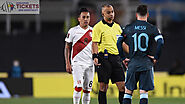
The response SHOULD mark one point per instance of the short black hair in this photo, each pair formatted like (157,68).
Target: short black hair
(82,10)
(142,10)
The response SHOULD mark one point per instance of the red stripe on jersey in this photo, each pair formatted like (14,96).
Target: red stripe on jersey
(82,43)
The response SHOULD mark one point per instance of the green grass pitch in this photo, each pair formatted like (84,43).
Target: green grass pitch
(30,100)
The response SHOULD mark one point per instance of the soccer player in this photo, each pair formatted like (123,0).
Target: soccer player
(139,36)
(106,55)
(79,39)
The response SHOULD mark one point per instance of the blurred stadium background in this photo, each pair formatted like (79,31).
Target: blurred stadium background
(37,42)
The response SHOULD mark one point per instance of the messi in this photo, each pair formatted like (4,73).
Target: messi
(140,27)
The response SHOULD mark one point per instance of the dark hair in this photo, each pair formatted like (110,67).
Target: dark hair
(82,10)
(142,10)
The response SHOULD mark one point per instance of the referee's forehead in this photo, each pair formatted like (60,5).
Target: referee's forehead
(107,8)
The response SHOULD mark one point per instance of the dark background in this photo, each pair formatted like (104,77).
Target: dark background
(37,41)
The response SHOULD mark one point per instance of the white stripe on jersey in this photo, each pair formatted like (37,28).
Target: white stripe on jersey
(158,37)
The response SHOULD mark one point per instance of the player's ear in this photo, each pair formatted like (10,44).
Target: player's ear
(79,18)
(136,15)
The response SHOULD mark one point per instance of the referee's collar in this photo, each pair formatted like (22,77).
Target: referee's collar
(109,24)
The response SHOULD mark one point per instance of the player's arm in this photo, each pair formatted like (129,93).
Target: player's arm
(125,47)
(67,57)
(122,46)
(160,42)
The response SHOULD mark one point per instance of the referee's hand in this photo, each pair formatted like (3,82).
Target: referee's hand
(96,62)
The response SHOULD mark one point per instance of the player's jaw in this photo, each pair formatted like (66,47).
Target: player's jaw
(84,24)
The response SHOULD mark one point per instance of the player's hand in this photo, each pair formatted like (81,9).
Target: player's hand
(153,59)
(68,68)
(125,62)
(96,62)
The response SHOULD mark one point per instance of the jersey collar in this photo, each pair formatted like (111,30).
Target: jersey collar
(84,29)
(110,25)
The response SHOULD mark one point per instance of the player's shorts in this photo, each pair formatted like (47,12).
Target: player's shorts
(83,76)
(110,68)
(145,78)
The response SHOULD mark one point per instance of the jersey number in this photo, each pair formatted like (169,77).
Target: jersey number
(90,84)
(137,41)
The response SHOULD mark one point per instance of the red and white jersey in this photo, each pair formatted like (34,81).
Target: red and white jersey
(81,45)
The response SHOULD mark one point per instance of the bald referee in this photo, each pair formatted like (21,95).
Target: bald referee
(105,54)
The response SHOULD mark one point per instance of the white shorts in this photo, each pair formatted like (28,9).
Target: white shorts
(83,76)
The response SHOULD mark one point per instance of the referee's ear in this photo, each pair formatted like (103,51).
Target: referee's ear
(102,14)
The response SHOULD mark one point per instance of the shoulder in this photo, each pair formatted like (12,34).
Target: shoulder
(90,27)
(151,25)
(154,28)
(98,24)
(116,24)
(128,28)
(74,28)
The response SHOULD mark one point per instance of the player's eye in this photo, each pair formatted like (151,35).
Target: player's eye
(85,17)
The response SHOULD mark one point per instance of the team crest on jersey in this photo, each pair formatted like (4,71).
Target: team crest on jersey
(85,41)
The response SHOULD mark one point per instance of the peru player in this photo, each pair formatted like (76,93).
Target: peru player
(78,46)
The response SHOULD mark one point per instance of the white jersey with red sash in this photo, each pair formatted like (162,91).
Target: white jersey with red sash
(81,45)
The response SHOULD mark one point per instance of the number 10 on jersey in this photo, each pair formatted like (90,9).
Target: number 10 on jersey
(137,42)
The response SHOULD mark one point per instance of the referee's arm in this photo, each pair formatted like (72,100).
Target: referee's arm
(96,34)
(95,52)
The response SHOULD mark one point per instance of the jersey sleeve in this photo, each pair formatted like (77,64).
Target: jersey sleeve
(160,42)
(120,30)
(69,36)
(96,34)
(157,34)
(119,43)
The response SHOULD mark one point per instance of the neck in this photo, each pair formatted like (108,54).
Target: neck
(108,21)
(84,27)
(142,18)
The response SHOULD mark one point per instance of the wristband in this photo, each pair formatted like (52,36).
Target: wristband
(94,55)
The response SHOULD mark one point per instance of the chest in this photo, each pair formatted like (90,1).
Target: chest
(110,33)
(82,37)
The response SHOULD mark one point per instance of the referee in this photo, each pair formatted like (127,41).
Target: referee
(105,54)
